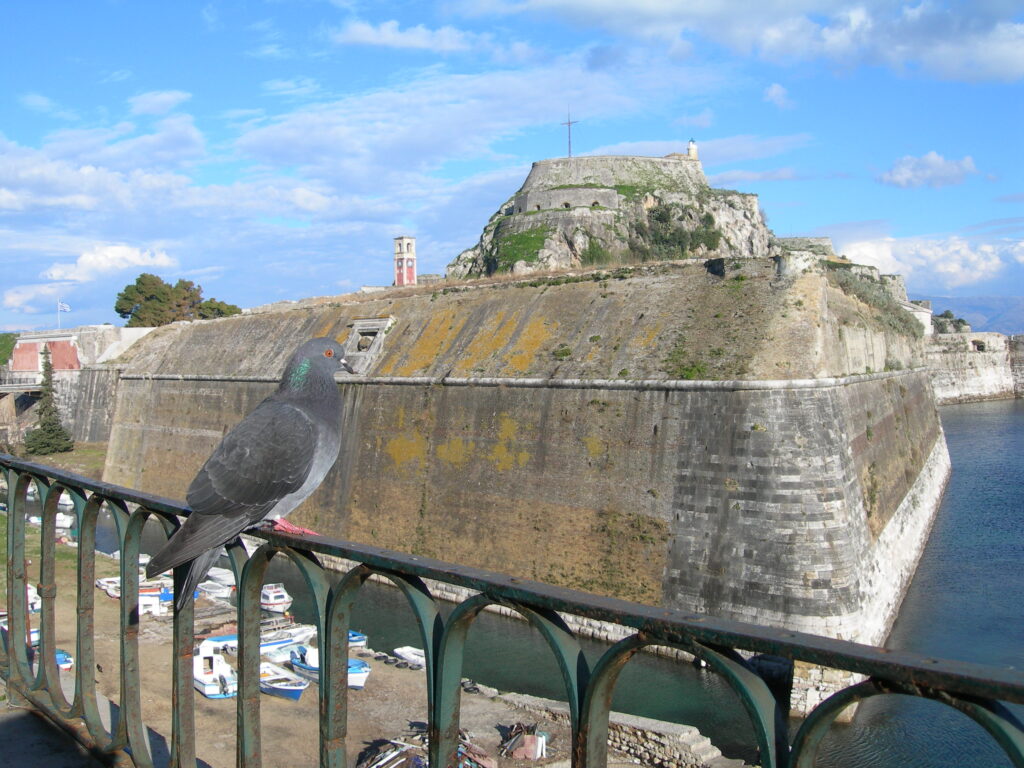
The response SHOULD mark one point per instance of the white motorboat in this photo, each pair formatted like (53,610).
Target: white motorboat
(212,675)
(275,598)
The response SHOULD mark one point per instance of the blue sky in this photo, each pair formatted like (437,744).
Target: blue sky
(271,150)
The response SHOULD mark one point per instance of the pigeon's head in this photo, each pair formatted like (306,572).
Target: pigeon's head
(323,355)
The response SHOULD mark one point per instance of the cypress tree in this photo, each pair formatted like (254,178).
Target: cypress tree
(49,436)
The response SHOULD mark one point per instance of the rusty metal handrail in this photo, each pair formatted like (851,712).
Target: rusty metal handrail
(979,691)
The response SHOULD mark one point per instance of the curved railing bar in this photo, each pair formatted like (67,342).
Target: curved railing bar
(86,703)
(47,674)
(20,670)
(334,688)
(428,620)
(249,587)
(761,706)
(995,718)
(130,701)
(560,639)
(591,748)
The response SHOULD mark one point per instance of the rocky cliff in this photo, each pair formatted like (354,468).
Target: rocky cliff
(586,211)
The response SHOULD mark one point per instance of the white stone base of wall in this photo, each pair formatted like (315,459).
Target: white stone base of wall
(895,555)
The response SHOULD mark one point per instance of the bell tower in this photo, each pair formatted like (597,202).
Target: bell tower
(405,261)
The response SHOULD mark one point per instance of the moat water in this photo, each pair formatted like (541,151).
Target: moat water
(966,602)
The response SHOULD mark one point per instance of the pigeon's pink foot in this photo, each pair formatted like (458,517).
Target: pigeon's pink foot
(283,526)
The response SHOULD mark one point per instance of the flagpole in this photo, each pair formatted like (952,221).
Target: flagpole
(58,313)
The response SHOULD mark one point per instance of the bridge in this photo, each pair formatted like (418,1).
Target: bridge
(979,692)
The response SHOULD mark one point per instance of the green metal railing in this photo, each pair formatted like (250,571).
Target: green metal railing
(976,690)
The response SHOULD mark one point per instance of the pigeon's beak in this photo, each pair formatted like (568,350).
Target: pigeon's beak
(345,364)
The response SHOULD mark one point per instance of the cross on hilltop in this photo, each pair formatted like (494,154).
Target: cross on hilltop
(569,123)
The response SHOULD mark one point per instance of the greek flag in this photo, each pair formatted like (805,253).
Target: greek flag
(62,307)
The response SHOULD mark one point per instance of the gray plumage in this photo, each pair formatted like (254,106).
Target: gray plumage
(264,467)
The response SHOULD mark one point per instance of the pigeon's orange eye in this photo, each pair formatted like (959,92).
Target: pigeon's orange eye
(328,353)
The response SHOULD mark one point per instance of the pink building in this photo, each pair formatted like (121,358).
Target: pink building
(405,261)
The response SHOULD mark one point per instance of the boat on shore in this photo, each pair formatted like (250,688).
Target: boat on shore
(275,598)
(212,675)
(306,662)
(278,681)
(411,655)
(214,590)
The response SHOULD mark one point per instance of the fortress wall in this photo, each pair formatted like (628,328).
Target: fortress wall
(567,197)
(764,505)
(673,173)
(536,430)
(92,412)
(963,373)
(1017,363)
(783,495)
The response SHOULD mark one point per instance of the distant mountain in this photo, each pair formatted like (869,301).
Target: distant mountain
(1003,314)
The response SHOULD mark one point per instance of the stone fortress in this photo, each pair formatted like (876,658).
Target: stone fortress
(748,429)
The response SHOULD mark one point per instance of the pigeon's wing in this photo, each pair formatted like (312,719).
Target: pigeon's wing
(265,458)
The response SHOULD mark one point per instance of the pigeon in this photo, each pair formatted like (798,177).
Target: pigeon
(264,467)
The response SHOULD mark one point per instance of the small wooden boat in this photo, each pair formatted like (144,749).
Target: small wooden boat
(275,598)
(215,590)
(278,681)
(221,575)
(306,662)
(65,660)
(212,675)
(356,639)
(411,655)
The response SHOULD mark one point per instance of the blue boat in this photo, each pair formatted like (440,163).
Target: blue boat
(306,662)
(278,681)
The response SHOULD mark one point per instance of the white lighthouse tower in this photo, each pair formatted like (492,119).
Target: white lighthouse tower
(405,261)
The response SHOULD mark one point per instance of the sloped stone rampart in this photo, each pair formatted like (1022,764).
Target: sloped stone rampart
(476,438)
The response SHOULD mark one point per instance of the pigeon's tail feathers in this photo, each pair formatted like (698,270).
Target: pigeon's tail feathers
(196,572)
(198,535)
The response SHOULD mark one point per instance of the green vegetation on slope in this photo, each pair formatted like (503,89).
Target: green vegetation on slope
(874,294)
(515,246)
(665,234)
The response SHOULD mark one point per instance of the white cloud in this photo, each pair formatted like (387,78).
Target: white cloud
(22,297)
(103,259)
(298,86)
(157,102)
(270,51)
(960,41)
(389,35)
(39,103)
(117,76)
(931,170)
(778,95)
(930,264)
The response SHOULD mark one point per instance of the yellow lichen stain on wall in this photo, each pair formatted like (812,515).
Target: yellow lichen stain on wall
(432,343)
(456,451)
(536,333)
(490,337)
(410,447)
(595,446)
(503,457)
(646,340)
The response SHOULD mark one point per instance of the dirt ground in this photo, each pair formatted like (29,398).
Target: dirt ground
(391,702)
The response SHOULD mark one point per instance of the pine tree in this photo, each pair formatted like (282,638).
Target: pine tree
(49,436)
